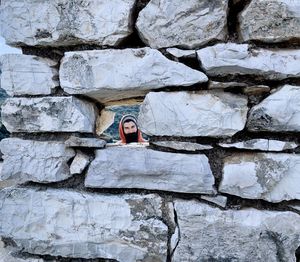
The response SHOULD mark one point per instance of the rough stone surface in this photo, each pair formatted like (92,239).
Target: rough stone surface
(240,59)
(212,114)
(74,141)
(279,112)
(225,85)
(60,23)
(179,53)
(48,114)
(138,167)
(256,90)
(270,176)
(270,21)
(126,228)
(178,145)
(218,200)
(166,23)
(28,160)
(262,145)
(108,75)
(27,75)
(104,121)
(210,234)
(79,163)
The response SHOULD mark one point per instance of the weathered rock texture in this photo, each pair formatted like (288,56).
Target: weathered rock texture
(192,114)
(262,145)
(79,163)
(185,146)
(240,59)
(166,23)
(108,75)
(209,234)
(27,75)
(138,167)
(269,176)
(270,21)
(64,223)
(279,112)
(74,141)
(62,23)
(48,114)
(28,160)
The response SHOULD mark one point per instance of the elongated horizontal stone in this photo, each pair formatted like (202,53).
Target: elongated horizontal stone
(202,113)
(126,228)
(167,23)
(61,23)
(27,75)
(262,144)
(180,53)
(279,112)
(109,75)
(139,167)
(91,142)
(210,234)
(48,114)
(28,160)
(270,21)
(240,59)
(270,176)
(179,145)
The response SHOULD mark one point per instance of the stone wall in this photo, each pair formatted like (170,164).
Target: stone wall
(219,87)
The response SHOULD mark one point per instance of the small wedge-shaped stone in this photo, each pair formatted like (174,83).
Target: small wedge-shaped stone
(211,234)
(79,163)
(270,176)
(240,59)
(109,75)
(262,144)
(27,75)
(279,112)
(270,21)
(139,167)
(48,114)
(62,23)
(167,23)
(37,161)
(125,228)
(187,114)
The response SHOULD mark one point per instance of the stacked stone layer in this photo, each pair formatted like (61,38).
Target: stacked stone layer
(218,179)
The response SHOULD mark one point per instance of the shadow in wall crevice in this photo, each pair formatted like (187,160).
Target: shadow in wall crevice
(297,254)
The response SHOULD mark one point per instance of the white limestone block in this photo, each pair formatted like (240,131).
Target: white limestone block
(139,167)
(57,222)
(180,145)
(279,112)
(108,75)
(181,53)
(167,23)
(240,59)
(211,234)
(64,23)
(187,114)
(48,114)
(79,163)
(91,142)
(217,200)
(37,161)
(270,21)
(27,75)
(273,177)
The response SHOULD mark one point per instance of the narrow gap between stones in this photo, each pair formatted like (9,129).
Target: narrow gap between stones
(297,254)
(179,236)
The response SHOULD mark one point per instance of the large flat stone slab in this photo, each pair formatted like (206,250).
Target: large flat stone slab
(108,75)
(27,75)
(63,23)
(210,234)
(37,161)
(273,177)
(270,21)
(167,23)
(139,167)
(187,114)
(240,59)
(279,112)
(126,228)
(48,114)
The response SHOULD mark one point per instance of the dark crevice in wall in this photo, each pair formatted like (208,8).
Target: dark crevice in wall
(172,250)
(235,7)
(297,254)
(51,136)
(291,44)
